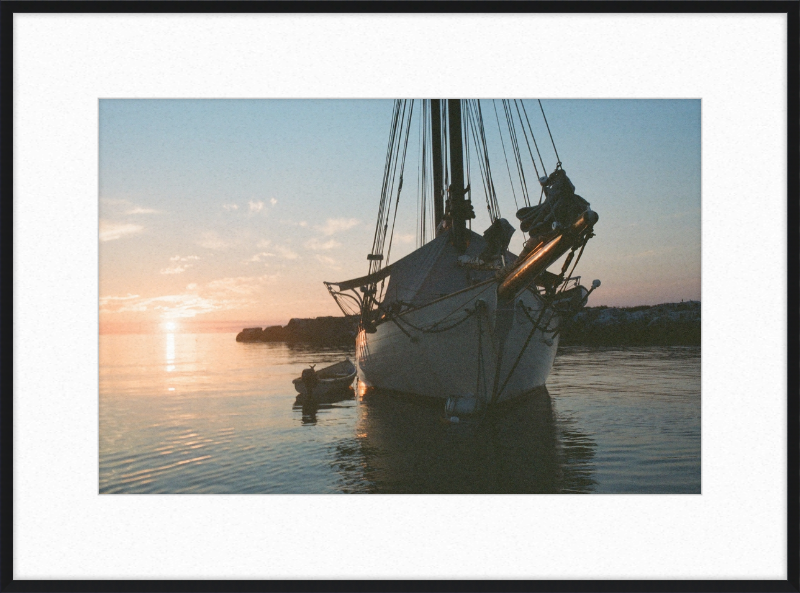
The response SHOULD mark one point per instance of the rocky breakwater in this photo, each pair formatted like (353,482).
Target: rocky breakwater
(670,324)
(319,331)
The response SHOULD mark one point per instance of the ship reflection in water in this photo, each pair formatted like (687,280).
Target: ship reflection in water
(311,406)
(405,444)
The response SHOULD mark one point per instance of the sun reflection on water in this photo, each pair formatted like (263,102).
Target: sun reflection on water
(170,352)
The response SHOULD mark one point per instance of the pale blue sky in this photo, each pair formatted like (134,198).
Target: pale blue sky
(237,210)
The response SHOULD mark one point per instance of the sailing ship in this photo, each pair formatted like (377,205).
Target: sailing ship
(461,318)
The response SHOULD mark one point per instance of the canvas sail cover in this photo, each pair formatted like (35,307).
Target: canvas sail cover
(433,271)
(428,273)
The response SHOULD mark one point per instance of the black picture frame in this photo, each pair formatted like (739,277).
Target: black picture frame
(7,580)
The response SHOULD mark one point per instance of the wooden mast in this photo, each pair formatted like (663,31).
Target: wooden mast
(460,211)
(438,177)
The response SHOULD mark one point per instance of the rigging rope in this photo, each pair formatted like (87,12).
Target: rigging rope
(438,330)
(533,160)
(399,121)
(496,395)
(479,139)
(429,165)
(490,181)
(544,169)
(400,185)
(399,188)
(445,123)
(421,178)
(551,135)
(575,265)
(515,146)
(394,167)
(375,265)
(457,309)
(476,127)
(465,144)
(394,177)
(510,179)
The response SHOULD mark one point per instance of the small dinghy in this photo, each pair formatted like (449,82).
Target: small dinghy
(329,380)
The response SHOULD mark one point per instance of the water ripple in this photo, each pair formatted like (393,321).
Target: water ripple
(223,421)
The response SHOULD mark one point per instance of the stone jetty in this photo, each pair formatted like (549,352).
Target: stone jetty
(669,324)
(320,331)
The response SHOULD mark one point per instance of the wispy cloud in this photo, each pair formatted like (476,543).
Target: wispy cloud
(318,245)
(140,210)
(181,265)
(176,269)
(285,252)
(275,251)
(229,207)
(218,295)
(256,206)
(123,206)
(114,304)
(211,240)
(185,258)
(176,305)
(110,231)
(300,223)
(337,225)
(328,261)
(239,285)
(107,300)
(257,257)
(273,201)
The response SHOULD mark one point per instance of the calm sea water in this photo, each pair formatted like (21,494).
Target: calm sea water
(194,413)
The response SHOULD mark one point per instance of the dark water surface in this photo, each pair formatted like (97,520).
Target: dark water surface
(194,413)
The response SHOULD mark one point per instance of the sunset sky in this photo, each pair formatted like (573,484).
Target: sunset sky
(215,214)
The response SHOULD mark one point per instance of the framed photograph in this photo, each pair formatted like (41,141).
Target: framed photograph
(451,262)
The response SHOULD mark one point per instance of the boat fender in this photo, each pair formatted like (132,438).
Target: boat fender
(595,284)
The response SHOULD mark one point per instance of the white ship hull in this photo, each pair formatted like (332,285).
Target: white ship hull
(493,354)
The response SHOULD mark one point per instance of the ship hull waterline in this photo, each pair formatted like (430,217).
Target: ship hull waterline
(466,345)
